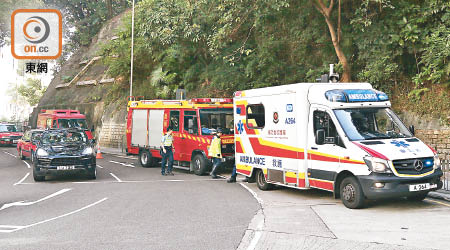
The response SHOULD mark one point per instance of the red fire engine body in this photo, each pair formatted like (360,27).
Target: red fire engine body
(62,118)
(193,122)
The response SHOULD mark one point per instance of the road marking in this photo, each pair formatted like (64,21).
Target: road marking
(260,226)
(117,178)
(16,228)
(8,153)
(125,157)
(123,164)
(17,183)
(99,166)
(28,165)
(22,203)
(105,182)
(438,202)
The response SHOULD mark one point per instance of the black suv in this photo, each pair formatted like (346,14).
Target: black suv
(64,151)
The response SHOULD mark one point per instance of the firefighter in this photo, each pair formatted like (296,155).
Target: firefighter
(167,153)
(215,151)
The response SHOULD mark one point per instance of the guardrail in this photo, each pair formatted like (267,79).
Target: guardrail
(445,165)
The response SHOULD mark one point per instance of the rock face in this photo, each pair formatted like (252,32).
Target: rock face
(83,83)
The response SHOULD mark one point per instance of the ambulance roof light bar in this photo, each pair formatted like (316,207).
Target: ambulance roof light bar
(355,95)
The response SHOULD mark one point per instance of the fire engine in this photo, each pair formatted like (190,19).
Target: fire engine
(193,122)
(62,118)
(340,137)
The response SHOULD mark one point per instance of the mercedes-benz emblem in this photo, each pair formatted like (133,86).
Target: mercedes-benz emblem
(418,165)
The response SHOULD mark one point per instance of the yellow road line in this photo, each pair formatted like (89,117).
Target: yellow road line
(438,202)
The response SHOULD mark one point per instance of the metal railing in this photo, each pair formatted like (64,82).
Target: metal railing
(445,165)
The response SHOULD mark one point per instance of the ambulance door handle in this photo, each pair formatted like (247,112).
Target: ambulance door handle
(314,148)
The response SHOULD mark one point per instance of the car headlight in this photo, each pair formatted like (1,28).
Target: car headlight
(437,161)
(88,151)
(41,152)
(377,165)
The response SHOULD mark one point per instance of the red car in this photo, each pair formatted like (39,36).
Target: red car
(27,145)
(9,135)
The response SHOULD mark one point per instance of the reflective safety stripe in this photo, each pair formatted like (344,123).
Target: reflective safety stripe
(167,140)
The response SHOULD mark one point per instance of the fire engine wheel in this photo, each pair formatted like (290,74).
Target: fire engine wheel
(22,157)
(200,164)
(351,193)
(261,181)
(145,158)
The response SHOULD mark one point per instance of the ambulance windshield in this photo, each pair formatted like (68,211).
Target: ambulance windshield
(212,119)
(371,124)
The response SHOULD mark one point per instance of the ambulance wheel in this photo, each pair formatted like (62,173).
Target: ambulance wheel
(200,164)
(145,158)
(419,197)
(351,193)
(261,181)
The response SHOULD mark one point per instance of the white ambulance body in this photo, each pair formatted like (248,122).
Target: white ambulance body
(340,137)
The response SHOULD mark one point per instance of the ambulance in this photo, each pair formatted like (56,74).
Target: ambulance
(62,118)
(193,122)
(339,137)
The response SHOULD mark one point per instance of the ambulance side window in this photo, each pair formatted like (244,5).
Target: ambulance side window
(255,116)
(323,122)
(174,120)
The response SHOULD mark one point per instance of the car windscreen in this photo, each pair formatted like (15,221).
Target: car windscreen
(63,137)
(371,124)
(7,128)
(212,119)
(72,123)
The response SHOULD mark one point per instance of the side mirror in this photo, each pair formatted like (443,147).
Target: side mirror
(320,136)
(411,129)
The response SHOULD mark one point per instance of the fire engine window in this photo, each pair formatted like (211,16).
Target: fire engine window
(322,121)
(190,115)
(255,116)
(174,120)
(49,123)
(54,124)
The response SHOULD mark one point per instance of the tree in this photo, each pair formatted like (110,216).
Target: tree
(31,91)
(335,34)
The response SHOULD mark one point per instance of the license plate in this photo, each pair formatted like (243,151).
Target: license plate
(65,167)
(420,187)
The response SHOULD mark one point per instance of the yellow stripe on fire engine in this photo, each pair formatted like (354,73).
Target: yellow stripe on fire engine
(203,140)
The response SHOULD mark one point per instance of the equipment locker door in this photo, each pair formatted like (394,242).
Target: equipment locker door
(139,127)
(325,148)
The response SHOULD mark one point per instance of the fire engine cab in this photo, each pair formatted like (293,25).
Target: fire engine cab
(340,137)
(193,121)
(62,118)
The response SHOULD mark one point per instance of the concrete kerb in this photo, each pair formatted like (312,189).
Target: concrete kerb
(440,194)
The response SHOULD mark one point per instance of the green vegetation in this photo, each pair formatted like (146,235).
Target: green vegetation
(217,47)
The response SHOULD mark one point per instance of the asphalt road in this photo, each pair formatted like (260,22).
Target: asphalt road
(126,207)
